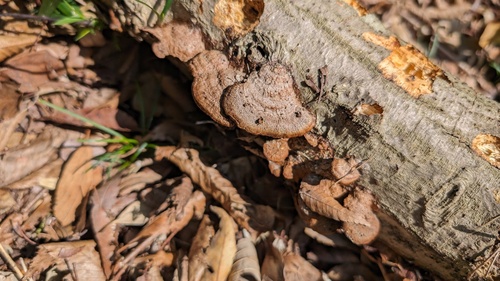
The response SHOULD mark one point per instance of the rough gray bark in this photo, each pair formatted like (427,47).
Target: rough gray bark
(436,196)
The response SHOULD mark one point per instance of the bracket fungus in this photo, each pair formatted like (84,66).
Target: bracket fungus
(178,39)
(212,74)
(267,104)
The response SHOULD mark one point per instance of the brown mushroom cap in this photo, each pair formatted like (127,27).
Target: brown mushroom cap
(212,74)
(268,104)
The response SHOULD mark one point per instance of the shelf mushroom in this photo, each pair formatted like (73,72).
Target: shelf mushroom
(267,104)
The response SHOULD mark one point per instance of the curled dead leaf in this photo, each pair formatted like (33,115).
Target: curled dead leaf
(368,109)
(345,171)
(77,179)
(246,262)
(222,248)
(319,200)
(361,234)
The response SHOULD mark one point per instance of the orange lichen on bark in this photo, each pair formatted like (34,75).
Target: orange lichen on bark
(406,66)
(488,147)
(236,17)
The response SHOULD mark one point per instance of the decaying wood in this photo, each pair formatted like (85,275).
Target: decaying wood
(437,197)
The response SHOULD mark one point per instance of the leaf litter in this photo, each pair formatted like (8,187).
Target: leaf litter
(197,207)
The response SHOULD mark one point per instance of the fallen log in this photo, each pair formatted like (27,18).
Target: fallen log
(429,143)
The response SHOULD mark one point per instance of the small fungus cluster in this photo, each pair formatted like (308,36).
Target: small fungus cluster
(327,186)
(266,103)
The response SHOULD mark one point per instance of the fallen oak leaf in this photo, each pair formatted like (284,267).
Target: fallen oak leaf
(222,248)
(198,250)
(320,200)
(361,202)
(250,216)
(246,262)
(168,222)
(77,179)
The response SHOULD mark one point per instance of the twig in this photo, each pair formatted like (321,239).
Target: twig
(27,17)
(10,263)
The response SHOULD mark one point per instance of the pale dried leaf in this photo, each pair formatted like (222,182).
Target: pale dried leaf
(197,253)
(77,179)
(246,262)
(31,70)
(222,248)
(9,99)
(272,266)
(321,202)
(166,224)
(6,201)
(296,268)
(80,256)
(105,207)
(345,170)
(14,44)
(46,177)
(134,214)
(361,234)
(25,159)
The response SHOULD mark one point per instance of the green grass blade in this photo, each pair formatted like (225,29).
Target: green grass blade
(48,7)
(84,119)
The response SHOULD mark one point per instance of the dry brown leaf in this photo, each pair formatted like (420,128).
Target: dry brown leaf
(246,262)
(361,203)
(296,268)
(106,205)
(46,177)
(137,181)
(9,99)
(31,70)
(222,248)
(321,202)
(491,34)
(112,118)
(6,201)
(77,179)
(345,171)
(67,260)
(315,221)
(166,224)
(26,159)
(249,216)
(272,265)
(197,253)
(368,109)
(14,44)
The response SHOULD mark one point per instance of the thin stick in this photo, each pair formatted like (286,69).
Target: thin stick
(10,263)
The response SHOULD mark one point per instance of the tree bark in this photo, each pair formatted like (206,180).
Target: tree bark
(436,196)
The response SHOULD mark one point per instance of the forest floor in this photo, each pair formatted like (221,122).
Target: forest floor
(109,171)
